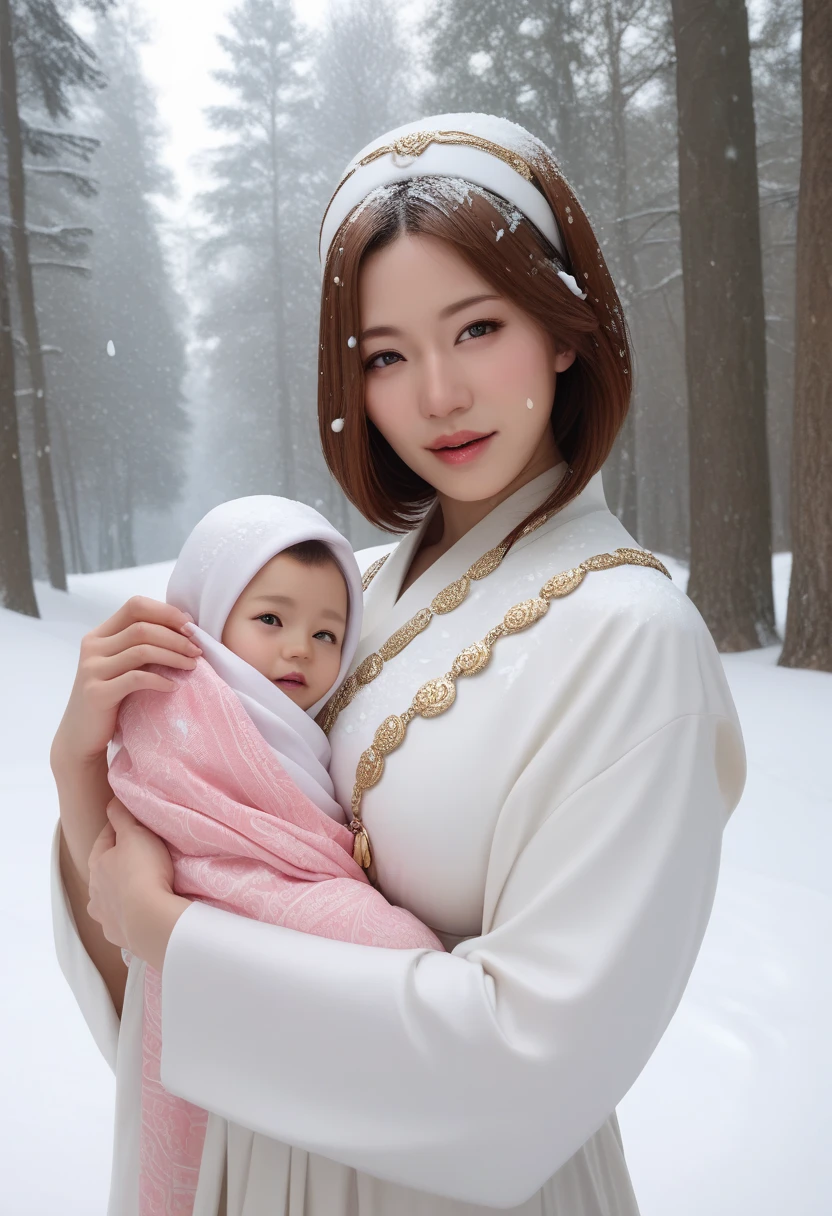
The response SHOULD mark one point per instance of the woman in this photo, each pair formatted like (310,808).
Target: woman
(559,826)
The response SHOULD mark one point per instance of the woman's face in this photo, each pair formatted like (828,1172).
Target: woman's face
(449,361)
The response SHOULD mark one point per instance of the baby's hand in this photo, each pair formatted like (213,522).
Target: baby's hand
(111,665)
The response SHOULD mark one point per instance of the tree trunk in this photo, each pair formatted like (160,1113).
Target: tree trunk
(106,528)
(16,588)
(125,517)
(66,471)
(623,480)
(569,144)
(809,623)
(730,570)
(106,499)
(26,293)
(288,456)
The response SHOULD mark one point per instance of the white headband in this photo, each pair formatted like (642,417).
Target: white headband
(487,151)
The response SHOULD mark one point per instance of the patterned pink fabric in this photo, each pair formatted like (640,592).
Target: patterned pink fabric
(194,769)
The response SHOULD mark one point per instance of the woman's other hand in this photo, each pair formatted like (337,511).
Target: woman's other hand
(111,665)
(131,887)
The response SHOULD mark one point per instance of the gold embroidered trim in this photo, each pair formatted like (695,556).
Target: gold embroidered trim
(437,695)
(417,142)
(414,145)
(372,570)
(445,601)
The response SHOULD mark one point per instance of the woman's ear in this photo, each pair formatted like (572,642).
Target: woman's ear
(564,359)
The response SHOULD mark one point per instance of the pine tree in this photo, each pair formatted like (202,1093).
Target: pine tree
(58,186)
(361,89)
(56,61)
(730,576)
(570,72)
(630,41)
(654,315)
(360,92)
(255,268)
(121,372)
(300,107)
(517,58)
(775,62)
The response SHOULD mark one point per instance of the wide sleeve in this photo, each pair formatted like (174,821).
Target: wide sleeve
(476,1074)
(80,972)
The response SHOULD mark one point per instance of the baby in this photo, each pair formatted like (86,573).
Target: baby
(230,769)
(275,593)
(291,620)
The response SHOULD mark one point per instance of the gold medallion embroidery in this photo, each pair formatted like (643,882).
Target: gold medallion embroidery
(445,601)
(437,695)
(404,636)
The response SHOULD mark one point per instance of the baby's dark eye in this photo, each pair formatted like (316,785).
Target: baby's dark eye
(269,618)
(327,636)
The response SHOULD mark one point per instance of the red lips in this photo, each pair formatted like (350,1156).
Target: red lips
(453,441)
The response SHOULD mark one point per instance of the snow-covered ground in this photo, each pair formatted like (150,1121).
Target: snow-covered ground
(729,1118)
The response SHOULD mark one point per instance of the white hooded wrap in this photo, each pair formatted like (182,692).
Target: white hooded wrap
(218,561)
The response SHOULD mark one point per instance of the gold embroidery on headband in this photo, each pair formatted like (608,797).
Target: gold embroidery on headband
(417,142)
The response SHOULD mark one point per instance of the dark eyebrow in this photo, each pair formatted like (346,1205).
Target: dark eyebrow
(389,331)
(458,307)
(329,613)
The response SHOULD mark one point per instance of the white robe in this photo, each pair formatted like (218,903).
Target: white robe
(560,827)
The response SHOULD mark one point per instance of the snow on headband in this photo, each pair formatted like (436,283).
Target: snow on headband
(490,152)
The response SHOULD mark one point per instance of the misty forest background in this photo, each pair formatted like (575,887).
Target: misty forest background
(156,370)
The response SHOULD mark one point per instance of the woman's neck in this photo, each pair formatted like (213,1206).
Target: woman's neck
(453,519)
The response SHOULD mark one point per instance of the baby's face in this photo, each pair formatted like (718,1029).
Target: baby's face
(289,624)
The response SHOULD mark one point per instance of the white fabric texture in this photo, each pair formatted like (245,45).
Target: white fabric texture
(559,827)
(219,559)
(447,160)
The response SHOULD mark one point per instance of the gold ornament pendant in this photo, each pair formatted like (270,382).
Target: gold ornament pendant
(361,845)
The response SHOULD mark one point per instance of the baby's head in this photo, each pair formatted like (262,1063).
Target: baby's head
(290,621)
(272,581)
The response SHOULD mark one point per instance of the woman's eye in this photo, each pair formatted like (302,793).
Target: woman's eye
(382,359)
(269,618)
(479,329)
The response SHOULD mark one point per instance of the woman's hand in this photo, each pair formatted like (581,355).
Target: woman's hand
(111,665)
(131,887)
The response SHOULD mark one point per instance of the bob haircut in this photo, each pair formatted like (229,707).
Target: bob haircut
(591,398)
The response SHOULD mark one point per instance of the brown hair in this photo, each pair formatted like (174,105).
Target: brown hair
(318,553)
(592,396)
(311,553)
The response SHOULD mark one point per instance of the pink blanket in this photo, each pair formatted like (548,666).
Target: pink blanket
(194,769)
